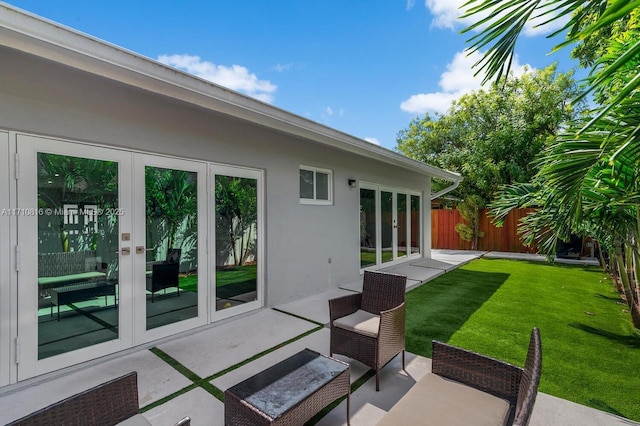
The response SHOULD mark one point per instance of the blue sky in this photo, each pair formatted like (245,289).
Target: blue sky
(363,67)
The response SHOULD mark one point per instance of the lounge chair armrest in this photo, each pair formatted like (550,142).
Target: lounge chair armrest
(481,372)
(391,334)
(184,422)
(343,306)
(392,321)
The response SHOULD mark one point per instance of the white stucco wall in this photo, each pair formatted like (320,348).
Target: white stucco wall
(41,97)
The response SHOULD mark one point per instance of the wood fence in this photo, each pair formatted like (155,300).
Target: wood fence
(506,238)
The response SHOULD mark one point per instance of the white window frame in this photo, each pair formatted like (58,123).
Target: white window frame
(314,200)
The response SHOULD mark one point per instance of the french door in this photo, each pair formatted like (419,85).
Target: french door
(390,225)
(169,251)
(119,240)
(237,256)
(74,217)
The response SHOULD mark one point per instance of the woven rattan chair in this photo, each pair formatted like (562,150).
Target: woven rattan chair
(370,327)
(468,388)
(106,404)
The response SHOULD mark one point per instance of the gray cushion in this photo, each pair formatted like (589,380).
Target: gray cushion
(435,400)
(362,322)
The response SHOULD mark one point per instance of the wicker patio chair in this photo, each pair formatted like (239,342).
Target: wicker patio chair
(104,405)
(370,327)
(468,388)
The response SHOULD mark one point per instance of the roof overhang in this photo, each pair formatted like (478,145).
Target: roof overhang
(34,35)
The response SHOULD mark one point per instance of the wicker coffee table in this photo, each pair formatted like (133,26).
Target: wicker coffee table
(288,393)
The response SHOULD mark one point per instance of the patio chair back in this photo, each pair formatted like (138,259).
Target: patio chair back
(173,255)
(529,381)
(382,291)
(106,404)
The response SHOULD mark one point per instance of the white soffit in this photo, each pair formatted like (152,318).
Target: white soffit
(32,34)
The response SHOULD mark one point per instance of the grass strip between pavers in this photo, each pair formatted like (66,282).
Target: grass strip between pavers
(263,353)
(297,316)
(168,398)
(204,383)
(197,381)
(354,386)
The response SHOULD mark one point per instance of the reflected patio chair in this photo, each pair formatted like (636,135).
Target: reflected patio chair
(165,275)
(173,255)
(370,327)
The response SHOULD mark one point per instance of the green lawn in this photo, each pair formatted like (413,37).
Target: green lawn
(368,258)
(591,352)
(244,277)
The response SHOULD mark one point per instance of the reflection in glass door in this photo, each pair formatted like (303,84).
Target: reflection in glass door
(78,264)
(74,297)
(389,231)
(368,234)
(237,231)
(171,225)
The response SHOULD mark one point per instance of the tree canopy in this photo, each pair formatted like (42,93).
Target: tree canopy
(492,136)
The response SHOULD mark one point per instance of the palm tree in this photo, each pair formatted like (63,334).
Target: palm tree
(505,20)
(171,204)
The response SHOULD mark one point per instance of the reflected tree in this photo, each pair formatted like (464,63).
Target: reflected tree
(171,200)
(66,179)
(236,215)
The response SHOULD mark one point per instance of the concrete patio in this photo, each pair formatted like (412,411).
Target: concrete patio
(263,338)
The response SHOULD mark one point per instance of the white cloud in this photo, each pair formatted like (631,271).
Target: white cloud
(329,111)
(457,80)
(234,77)
(372,140)
(424,102)
(446,14)
(410,4)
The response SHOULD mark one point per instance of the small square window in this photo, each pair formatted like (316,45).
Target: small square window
(315,185)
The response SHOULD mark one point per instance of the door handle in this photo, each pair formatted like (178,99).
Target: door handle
(143,250)
(125,251)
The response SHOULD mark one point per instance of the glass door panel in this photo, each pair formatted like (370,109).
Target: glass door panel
(72,217)
(415,225)
(171,229)
(368,223)
(388,224)
(78,264)
(401,227)
(237,241)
